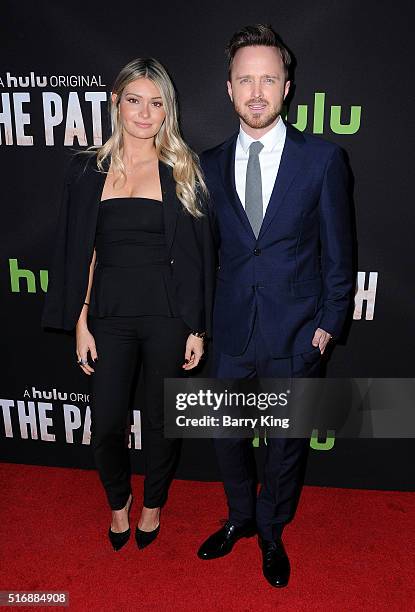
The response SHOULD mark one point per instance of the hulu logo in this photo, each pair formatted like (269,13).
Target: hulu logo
(318,117)
(19,275)
(325,445)
(315,443)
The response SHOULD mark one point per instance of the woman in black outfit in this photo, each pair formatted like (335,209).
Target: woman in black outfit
(133,272)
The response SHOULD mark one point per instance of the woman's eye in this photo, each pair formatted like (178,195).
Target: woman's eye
(158,104)
(132,100)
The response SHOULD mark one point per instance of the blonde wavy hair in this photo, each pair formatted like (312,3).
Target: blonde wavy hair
(170,146)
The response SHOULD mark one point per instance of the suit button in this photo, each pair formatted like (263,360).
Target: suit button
(172,261)
(257,251)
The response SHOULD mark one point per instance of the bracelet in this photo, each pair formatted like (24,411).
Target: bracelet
(199,334)
(86,303)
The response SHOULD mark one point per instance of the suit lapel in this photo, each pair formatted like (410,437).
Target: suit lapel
(94,184)
(291,162)
(99,177)
(226,162)
(171,203)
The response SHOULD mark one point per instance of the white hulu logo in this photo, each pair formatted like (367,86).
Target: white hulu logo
(30,80)
(367,295)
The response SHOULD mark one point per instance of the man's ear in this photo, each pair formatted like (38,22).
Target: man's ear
(229,86)
(286,88)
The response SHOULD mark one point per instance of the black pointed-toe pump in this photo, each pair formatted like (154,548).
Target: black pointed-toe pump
(119,539)
(144,538)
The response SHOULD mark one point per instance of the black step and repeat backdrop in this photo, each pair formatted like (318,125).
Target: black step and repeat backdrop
(353,87)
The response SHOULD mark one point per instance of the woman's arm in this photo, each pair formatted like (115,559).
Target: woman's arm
(82,321)
(84,339)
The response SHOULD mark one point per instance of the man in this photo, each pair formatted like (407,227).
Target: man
(281,207)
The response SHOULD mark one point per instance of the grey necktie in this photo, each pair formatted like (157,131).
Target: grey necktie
(253,188)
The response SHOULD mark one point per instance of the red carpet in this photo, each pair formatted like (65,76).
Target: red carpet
(349,549)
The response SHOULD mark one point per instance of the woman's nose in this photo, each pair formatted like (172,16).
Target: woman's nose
(145,111)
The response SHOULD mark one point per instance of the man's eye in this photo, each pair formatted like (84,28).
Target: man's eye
(269,80)
(244,80)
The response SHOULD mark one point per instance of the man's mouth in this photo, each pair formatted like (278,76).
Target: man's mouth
(257,106)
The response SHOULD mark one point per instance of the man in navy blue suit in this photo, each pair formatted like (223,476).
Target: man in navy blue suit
(280,203)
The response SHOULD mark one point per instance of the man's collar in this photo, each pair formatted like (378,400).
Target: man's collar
(270,140)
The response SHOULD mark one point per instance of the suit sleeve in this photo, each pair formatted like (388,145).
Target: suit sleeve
(54,304)
(336,244)
(209,253)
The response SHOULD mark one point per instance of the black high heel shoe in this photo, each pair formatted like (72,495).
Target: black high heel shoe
(144,538)
(119,539)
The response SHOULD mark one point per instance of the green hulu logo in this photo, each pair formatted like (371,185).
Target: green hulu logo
(318,117)
(315,442)
(322,445)
(18,275)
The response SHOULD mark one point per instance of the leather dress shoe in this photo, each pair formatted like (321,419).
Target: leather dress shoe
(275,563)
(221,542)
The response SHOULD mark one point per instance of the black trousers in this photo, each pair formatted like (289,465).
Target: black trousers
(286,458)
(157,345)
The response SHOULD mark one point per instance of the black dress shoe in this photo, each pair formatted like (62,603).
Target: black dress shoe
(118,539)
(221,542)
(275,563)
(144,538)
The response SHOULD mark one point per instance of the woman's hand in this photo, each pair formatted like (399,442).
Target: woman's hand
(194,352)
(85,342)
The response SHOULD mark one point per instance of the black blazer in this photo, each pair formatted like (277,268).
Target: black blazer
(189,242)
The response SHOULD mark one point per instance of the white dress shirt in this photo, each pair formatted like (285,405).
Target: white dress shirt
(269,160)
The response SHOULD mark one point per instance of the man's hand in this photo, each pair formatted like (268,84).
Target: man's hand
(194,352)
(321,339)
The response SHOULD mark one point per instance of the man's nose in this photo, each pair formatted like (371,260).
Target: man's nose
(257,88)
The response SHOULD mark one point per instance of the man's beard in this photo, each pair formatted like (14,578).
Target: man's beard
(258,120)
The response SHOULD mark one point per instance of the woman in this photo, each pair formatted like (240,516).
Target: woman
(133,272)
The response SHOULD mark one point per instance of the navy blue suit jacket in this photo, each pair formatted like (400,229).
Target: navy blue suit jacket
(298,273)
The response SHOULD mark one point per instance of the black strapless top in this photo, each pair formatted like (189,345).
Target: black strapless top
(131,275)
